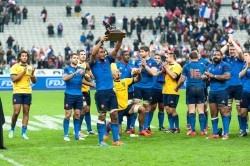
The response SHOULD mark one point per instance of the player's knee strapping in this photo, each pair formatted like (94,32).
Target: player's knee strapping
(136,108)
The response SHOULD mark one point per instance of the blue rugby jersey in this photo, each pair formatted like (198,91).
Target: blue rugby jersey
(193,72)
(102,73)
(147,80)
(158,80)
(246,84)
(236,66)
(74,85)
(125,70)
(219,69)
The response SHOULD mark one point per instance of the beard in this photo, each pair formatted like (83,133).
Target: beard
(216,60)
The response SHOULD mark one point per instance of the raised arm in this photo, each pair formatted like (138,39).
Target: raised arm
(116,49)
(96,49)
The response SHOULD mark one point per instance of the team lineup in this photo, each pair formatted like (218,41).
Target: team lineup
(131,89)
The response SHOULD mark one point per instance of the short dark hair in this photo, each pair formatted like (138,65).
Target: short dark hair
(144,48)
(193,55)
(19,55)
(248,52)
(123,52)
(194,49)
(217,50)
(72,54)
(79,51)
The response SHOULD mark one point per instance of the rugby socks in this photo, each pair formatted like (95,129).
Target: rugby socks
(244,124)
(13,127)
(192,121)
(128,122)
(24,128)
(161,118)
(88,121)
(76,127)
(133,119)
(171,121)
(81,120)
(115,132)
(225,122)
(101,130)
(140,128)
(202,120)
(240,122)
(230,117)
(176,121)
(66,126)
(215,125)
(105,131)
(188,119)
(206,119)
(146,120)
(150,117)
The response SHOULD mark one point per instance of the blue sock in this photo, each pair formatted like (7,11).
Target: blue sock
(192,121)
(76,127)
(206,120)
(66,126)
(161,118)
(105,131)
(202,120)
(13,127)
(230,117)
(133,119)
(150,117)
(88,121)
(176,121)
(244,124)
(146,120)
(128,122)
(140,128)
(240,123)
(24,128)
(81,119)
(101,131)
(171,121)
(115,132)
(247,125)
(215,125)
(188,119)
(225,121)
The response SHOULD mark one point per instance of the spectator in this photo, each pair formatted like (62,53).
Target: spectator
(2,53)
(25,12)
(138,31)
(9,54)
(50,28)
(68,10)
(83,38)
(136,45)
(13,12)
(44,14)
(115,3)
(90,36)
(144,23)
(67,52)
(125,24)
(77,10)
(59,62)
(247,45)
(79,2)
(132,25)
(112,19)
(6,18)
(59,30)
(134,3)
(18,15)
(84,22)
(1,22)
(150,23)
(92,22)
(16,48)
(10,41)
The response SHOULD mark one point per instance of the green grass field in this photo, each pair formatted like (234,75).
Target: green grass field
(47,147)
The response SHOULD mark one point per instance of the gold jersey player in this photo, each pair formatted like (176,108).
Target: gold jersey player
(21,75)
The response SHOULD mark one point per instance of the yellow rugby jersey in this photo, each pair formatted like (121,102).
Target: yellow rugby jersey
(23,85)
(85,88)
(170,84)
(121,90)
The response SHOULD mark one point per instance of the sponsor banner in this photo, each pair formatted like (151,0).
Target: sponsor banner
(43,83)
(41,72)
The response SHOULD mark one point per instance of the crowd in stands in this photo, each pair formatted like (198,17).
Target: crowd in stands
(183,26)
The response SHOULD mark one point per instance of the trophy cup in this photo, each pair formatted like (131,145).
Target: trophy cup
(112,33)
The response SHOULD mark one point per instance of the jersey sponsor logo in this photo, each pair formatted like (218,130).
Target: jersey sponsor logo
(5,83)
(55,83)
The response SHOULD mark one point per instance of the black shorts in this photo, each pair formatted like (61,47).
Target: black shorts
(234,92)
(218,97)
(170,100)
(72,102)
(86,98)
(143,93)
(130,95)
(157,96)
(124,112)
(22,98)
(245,100)
(195,95)
(106,100)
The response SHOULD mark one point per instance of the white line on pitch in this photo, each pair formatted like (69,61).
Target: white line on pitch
(9,160)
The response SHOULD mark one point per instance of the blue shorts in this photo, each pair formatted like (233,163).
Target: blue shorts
(72,102)
(105,100)
(245,100)
(130,95)
(157,96)
(218,97)
(22,98)
(124,112)
(234,92)
(143,93)
(86,98)
(170,100)
(195,95)
(205,93)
